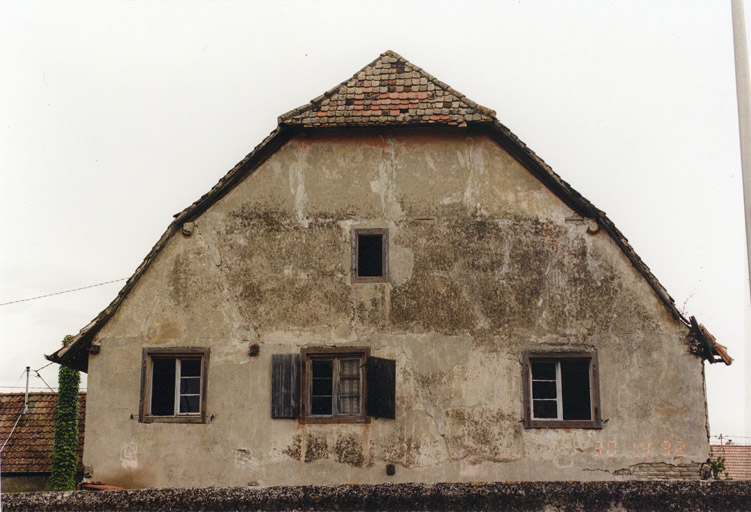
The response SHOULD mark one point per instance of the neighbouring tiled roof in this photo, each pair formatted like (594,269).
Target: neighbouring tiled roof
(30,447)
(737,460)
(369,99)
(388,91)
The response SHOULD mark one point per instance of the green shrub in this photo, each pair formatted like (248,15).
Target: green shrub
(717,464)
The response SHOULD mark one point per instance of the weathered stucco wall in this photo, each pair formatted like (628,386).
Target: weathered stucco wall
(485,263)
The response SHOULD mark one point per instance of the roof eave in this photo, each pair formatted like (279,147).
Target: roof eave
(75,353)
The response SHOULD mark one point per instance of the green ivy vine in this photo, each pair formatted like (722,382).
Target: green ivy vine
(65,455)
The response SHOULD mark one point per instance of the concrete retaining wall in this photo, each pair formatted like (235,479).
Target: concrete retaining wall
(522,496)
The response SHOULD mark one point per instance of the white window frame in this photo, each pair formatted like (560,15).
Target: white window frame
(178,378)
(558,392)
(530,421)
(147,381)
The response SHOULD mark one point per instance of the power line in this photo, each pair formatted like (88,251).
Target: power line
(32,387)
(65,291)
(23,387)
(43,367)
(45,382)
(12,430)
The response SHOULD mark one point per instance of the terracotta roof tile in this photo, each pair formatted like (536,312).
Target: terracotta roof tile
(389,91)
(30,447)
(737,459)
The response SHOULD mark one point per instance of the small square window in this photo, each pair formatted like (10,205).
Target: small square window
(174,385)
(334,385)
(561,390)
(369,255)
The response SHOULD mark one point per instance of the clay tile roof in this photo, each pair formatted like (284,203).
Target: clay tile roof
(30,447)
(737,460)
(389,91)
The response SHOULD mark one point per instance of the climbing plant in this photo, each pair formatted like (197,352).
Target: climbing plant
(65,455)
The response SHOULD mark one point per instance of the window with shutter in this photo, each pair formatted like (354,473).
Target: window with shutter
(285,385)
(381,387)
(332,385)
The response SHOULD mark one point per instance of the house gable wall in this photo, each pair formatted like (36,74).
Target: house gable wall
(485,263)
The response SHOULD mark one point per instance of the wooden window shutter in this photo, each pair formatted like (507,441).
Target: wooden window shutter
(285,385)
(381,387)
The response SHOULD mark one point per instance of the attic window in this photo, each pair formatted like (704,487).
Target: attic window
(369,255)
(561,390)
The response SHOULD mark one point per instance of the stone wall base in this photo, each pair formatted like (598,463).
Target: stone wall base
(519,496)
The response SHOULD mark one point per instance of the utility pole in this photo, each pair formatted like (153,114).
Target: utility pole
(742,87)
(26,396)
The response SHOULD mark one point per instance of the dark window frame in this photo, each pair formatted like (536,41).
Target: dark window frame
(312,353)
(595,421)
(148,356)
(355,247)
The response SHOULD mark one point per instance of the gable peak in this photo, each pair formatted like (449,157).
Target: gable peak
(389,91)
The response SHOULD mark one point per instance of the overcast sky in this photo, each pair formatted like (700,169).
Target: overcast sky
(116,115)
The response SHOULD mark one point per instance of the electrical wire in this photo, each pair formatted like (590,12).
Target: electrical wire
(45,382)
(32,387)
(12,430)
(24,387)
(65,291)
(43,367)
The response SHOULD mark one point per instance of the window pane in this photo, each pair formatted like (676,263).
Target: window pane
(190,386)
(349,368)
(349,387)
(349,405)
(190,367)
(545,409)
(190,404)
(322,368)
(543,371)
(322,387)
(163,387)
(575,389)
(543,389)
(370,255)
(320,405)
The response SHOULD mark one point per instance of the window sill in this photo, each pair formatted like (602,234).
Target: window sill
(334,419)
(374,279)
(198,418)
(591,424)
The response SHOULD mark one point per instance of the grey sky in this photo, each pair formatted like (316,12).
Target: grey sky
(116,115)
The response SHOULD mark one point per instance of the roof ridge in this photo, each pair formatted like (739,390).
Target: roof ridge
(390,90)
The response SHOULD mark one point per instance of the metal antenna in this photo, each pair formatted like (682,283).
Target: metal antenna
(26,396)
